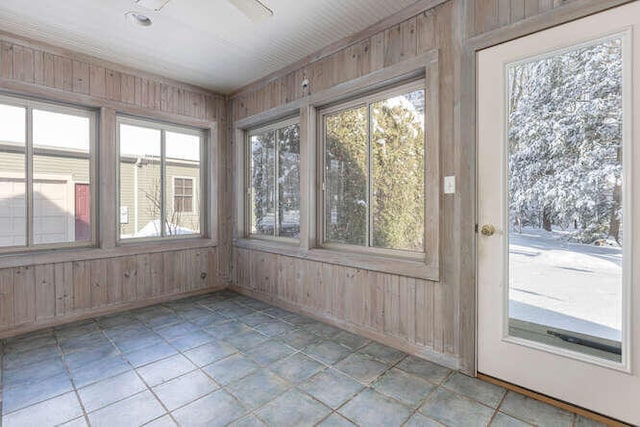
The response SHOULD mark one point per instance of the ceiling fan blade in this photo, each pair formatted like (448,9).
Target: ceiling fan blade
(255,10)
(152,4)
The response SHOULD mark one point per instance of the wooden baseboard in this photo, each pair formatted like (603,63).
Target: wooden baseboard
(397,343)
(24,329)
(553,402)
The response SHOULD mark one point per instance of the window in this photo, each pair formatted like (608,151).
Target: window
(46,189)
(374,171)
(160,191)
(182,194)
(274,180)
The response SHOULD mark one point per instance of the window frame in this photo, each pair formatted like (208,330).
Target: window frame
(271,126)
(29,104)
(164,127)
(366,101)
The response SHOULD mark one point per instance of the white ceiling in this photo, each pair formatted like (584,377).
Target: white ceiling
(208,43)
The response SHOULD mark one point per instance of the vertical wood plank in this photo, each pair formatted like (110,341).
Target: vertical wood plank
(18,62)
(97,81)
(81,77)
(38,67)
(81,286)
(24,295)
(28,65)
(45,292)
(49,70)
(128,89)
(99,283)
(113,85)
(6,297)
(64,288)
(6,61)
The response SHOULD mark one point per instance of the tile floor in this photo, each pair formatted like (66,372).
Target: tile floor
(225,359)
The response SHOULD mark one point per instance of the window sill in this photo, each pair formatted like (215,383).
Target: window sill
(59,255)
(384,264)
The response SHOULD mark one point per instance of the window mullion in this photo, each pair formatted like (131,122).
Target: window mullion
(369,241)
(276,190)
(163,183)
(29,177)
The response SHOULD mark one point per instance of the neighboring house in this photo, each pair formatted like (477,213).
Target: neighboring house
(62,196)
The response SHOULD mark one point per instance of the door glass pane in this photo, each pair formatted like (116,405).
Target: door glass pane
(61,178)
(289,181)
(347,163)
(263,186)
(140,182)
(397,145)
(182,199)
(565,199)
(13,203)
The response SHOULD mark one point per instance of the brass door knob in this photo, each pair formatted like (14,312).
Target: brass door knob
(487,230)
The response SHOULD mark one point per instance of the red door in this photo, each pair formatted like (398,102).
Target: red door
(83,213)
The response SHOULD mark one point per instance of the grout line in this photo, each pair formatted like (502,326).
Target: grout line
(497,410)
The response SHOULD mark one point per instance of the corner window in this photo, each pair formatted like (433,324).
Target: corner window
(160,191)
(374,171)
(46,177)
(274,180)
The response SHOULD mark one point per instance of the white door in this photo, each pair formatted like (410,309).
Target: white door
(558,209)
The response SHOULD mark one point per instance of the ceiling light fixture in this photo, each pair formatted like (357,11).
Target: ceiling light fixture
(138,19)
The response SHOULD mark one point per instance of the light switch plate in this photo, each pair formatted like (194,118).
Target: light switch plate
(449,185)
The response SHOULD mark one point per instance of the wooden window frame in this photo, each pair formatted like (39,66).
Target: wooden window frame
(29,104)
(164,127)
(273,126)
(427,264)
(362,101)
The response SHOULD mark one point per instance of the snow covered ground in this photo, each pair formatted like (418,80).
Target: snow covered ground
(566,285)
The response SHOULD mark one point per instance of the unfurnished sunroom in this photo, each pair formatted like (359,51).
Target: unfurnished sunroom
(292,213)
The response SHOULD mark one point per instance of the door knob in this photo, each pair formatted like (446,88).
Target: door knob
(487,230)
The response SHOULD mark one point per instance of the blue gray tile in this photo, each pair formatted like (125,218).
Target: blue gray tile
(151,354)
(328,352)
(361,367)
(210,352)
(534,411)
(185,389)
(50,412)
(165,369)
(258,388)
(31,393)
(331,387)
(293,409)
(452,409)
(419,420)
(299,339)
(231,369)
(216,409)
(133,411)
(336,420)
(99,370)
(406,388)
(383,353)
(372,408)
(111,390)
(425,369)
(482,391)
(192,340)
(297,368)
(504,420)
(269,352)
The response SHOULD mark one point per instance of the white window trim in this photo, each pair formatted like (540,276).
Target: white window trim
(29,105)
(164,127)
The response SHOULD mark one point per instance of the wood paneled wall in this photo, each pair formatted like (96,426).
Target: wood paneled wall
(414,314)
(435,319)
(40,290)
(36,296)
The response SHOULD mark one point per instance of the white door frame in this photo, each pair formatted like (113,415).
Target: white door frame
(573,372)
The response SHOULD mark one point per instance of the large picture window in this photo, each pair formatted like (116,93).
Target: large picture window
(274,180)
(160,183)
(46,197)
(374,171)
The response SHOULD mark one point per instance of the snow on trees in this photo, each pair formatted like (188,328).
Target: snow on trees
(565,142)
